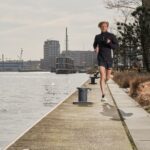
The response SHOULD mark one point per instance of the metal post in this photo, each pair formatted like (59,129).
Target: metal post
(96,75)
(82,96)
(93,80)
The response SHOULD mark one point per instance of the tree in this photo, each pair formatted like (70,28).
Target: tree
(141,24)
(141,14)
(120,4)
(146,35)
(130,46)
(132,36)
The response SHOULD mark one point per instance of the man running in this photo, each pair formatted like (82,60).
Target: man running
(103,44)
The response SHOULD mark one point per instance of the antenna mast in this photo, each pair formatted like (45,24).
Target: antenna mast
(66,39)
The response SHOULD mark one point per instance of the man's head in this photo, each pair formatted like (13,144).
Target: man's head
(103,26)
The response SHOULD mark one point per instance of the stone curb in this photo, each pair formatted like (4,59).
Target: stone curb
(136,119)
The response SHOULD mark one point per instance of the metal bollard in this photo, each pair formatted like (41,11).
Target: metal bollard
(96,75)
(93,80)
(82,96)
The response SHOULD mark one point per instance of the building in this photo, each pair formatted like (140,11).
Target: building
(15,65)
(51,51)
(11,65)
(82,59)
(31,65)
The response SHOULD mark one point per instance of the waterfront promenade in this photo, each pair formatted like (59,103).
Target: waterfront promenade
(78,127)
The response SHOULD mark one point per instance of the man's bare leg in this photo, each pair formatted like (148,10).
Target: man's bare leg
(108,74)
(102,79)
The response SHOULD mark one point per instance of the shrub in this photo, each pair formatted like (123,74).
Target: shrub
(124,78)
(135,84)
(139,85)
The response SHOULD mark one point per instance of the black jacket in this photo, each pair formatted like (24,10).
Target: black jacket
(105,48)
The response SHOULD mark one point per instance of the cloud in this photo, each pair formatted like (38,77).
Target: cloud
(26,24)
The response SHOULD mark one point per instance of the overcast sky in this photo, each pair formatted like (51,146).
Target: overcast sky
(28,23)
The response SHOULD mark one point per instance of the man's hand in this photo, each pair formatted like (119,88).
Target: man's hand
(108,41)
(97,50)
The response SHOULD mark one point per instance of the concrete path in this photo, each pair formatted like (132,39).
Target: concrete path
(76,127)
(135,118)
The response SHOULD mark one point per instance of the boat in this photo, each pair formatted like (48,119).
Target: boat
(64,65)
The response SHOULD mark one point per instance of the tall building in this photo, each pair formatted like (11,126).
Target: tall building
(51,51)
(82,59)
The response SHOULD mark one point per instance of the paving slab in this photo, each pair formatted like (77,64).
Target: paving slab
(141,134)
(138,123)
(78,127)
(136,119)
(143,145)
(133,112)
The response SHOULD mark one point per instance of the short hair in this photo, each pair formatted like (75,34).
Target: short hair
(103,22)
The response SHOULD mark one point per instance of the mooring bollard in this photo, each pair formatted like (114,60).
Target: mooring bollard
(96,75)
(82,96)
(93,80)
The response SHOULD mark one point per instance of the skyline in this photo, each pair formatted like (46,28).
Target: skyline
(27,24)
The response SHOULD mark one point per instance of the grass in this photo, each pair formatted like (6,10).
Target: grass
(124,79)
(139,85)
(136,82)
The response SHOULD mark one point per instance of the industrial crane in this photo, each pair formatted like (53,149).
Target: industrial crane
(20,59)
(21,55)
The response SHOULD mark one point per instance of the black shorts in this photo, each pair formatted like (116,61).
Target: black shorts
(107,64)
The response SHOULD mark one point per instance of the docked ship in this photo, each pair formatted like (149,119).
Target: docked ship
(64,63)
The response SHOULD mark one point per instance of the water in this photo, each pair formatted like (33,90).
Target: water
(26,97)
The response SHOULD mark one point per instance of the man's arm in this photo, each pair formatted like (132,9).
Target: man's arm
(95,44)
(113,43)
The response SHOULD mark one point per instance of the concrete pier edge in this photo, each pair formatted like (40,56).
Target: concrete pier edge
(18,137)
(123,123)
(135,119)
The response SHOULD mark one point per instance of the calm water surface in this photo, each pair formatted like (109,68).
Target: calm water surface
(26,97)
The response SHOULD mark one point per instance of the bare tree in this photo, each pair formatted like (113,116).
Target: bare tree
(119,4)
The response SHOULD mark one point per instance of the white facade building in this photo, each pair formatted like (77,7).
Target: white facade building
(51,51)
